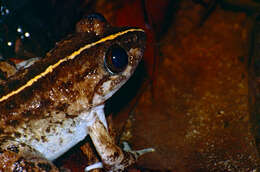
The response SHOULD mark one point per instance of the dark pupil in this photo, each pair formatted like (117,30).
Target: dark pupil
(116,59)
(97,16)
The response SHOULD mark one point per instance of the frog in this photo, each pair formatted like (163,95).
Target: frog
(50,106)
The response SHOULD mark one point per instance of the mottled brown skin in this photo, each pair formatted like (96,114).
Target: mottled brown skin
(104,142)
(58,92)
(23,158)
(49,90)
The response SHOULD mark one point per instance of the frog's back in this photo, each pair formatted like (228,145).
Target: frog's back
(35,91)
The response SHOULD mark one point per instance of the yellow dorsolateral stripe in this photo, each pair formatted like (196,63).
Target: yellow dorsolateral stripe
(70,57)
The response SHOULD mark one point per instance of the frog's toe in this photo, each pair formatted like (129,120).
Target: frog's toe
(126,148)
(136,153)
(94,166)
(112,156)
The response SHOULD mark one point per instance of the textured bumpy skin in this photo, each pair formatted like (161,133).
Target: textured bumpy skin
(57,98)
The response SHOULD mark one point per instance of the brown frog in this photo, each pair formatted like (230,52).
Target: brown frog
(49,107)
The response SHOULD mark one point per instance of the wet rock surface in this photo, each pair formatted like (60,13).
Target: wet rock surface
(197,116)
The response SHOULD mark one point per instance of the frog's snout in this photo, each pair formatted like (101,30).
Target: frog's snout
(135,42)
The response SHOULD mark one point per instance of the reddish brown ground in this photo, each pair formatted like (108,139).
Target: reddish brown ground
(197,116)
(199,119)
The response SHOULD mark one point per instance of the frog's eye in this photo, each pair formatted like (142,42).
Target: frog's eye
(116,59)
(96,16)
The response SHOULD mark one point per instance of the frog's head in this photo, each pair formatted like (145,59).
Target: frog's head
(119,61)
(113,59)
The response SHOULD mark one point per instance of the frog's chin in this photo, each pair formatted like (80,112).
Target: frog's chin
(100,99)
(107,93)
(109,87)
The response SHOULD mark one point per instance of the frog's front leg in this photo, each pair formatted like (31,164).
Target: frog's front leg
(113,157)
(15,156)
